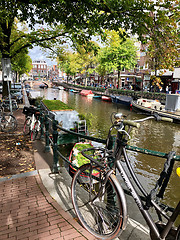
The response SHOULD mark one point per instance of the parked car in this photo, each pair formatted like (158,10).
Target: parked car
(16,92)
(43,85)
(18,96)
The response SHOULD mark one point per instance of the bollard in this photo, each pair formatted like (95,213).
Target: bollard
(55,146)
(47,147)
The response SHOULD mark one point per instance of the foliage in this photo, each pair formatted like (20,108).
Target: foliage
(56,105)
(163,40)
(22,63)
(69,62)
(118,53)
(57,21)
(156,81)
(87,117)
(38,101)
(81,61)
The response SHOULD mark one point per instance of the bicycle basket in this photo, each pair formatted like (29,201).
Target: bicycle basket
(29,111)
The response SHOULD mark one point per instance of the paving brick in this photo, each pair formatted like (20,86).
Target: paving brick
(30,213)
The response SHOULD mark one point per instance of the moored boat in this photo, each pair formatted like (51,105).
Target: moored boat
(107,99)
(97,96)
(153,107)
(125,100)
(77,159)
(87,93)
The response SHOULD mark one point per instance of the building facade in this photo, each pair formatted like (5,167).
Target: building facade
(53,73)
(39,70)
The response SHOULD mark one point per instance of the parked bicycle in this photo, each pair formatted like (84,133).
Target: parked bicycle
(14,105)
(8,122)
(32,125)
(99,200)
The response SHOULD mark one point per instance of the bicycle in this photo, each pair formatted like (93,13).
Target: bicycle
(32,125)
(99,200)
(8,122)
(14,105)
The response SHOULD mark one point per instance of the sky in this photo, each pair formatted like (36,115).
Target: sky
(37,54)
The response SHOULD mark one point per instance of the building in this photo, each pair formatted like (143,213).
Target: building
(53,73)
(39,70)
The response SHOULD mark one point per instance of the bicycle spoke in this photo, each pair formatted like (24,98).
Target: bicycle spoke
(99,209)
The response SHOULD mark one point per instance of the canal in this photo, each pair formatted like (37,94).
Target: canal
(157,136)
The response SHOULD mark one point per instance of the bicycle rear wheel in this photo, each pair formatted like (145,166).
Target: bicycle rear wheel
(27,125)
(8,123)
(102,215)
(35,131)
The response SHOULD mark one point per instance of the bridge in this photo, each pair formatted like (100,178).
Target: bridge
(35,84)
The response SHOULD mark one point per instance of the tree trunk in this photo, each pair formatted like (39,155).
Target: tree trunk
(6,76)
(119,78)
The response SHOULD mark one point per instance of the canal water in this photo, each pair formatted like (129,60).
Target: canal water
(157,136)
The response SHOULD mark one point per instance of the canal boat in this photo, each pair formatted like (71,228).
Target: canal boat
(86,93)
(77,159)
(124,100)
(73,90)
(106,98)
(97,96)
(154,107)
(67,118)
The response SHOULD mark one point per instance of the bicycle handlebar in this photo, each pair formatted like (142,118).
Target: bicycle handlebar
(131,123)
(166,119)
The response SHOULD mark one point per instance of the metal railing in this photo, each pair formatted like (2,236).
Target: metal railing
(52,126)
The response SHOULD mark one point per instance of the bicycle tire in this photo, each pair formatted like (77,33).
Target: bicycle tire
(103,217)
(178,234)
(35,131)
(8,123)
(27,124)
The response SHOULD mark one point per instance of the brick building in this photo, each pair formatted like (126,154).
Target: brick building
(39,70)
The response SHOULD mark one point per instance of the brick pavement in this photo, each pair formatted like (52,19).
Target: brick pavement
(28,212)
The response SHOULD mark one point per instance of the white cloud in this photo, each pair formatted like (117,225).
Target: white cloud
(37,54)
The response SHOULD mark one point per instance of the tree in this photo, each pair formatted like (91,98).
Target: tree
(21,64)
(77,20)
(81,61)
(117,54)
(163,45)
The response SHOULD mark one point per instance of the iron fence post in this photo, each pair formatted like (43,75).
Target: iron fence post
(47,147)
(42,124)
(56,167)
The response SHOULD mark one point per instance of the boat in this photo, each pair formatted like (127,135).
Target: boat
(107,99)
(154,107)
(77,159)
(97,96)
(125,100)
(87,93)
(67,118)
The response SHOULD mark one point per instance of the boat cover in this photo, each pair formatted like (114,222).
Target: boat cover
(86,92)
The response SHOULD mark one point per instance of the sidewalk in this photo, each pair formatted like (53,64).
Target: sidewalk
(37,205)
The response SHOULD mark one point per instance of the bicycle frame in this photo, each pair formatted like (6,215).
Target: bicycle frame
(155,234)
(112,156)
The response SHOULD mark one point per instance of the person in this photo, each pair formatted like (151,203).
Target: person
(167,89)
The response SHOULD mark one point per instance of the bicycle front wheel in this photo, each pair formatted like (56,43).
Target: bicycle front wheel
(100,212)
(27,125)
(8,123)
